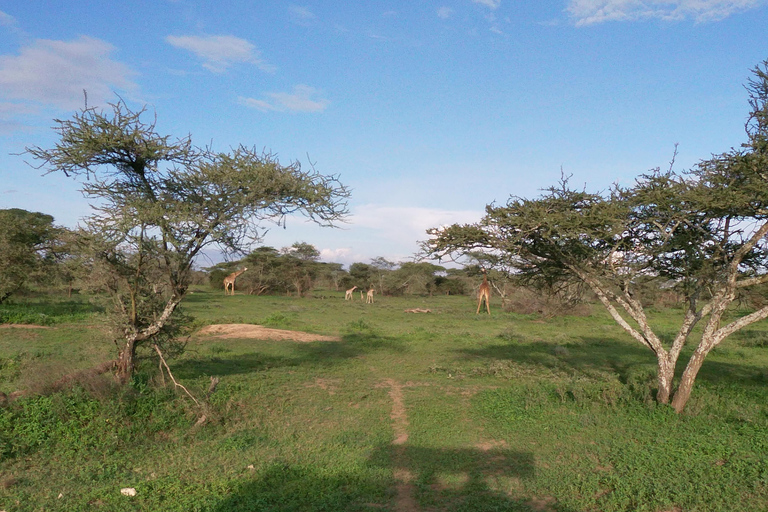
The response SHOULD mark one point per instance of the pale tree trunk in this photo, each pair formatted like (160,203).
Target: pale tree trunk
(713,335)
(683,392)
(664,377)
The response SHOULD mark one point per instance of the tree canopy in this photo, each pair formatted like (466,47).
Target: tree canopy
(159,201)
(26,242)
(702,232)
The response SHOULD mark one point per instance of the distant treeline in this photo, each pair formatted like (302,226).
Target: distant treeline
(296,270)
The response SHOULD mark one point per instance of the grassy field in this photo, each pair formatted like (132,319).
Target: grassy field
(408,412)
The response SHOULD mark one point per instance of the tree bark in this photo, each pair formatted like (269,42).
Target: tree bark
(126,361)
(683,392)
(664,377)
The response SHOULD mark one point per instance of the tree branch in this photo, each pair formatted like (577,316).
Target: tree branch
(162,361)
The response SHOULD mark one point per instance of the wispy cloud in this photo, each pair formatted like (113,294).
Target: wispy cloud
(219,52)
(6,20)
(491,4)
(490,15)
(301,15)
(444,12)
(588,12)
(303,99)
(55,73)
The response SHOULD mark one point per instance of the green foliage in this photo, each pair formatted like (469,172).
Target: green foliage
(74,423)
(277,320)
(700,232)
(160,202)
(294,269)
(27,240)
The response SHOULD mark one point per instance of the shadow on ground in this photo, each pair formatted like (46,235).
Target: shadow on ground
(595,357)
(314,355)
(397,478)
(592,356)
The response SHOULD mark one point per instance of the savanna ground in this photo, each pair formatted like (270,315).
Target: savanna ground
(407,412)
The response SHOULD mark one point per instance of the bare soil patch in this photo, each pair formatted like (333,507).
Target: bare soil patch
(260,332)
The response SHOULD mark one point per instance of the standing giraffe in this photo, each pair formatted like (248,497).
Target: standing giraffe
(369,297)
(230,281)
(484,293)
(348,294)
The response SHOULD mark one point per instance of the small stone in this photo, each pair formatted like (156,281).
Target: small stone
(128,491)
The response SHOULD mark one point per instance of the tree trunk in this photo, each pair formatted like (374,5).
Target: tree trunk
(664,377)
(126,361)
(683,392)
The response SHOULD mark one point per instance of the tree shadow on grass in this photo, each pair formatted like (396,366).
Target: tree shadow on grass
(397,478)
(595,357)
(316,354)
(747,377)
(592,357)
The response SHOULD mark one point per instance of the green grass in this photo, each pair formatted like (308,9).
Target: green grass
(47,310)
(507,412)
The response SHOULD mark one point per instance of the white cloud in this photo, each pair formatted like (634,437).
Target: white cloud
(444,13)
(341,255)
(220,52)
(408,223)
(588,12)
(491,4)
(55,73)
(303,99)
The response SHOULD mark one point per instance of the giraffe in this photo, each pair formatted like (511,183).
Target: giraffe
(348,294)
(369,296)
(484,293)
(230,281)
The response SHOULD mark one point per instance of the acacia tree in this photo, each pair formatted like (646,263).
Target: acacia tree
(702,231)
(299,267)
(27,240)
(158,202)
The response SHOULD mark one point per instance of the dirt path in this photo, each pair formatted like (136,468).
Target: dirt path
(404,502)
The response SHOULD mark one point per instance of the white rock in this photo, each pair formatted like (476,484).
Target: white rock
(128,491)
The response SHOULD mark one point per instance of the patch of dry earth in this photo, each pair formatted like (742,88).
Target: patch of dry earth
(261,333)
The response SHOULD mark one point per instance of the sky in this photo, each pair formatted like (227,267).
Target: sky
(428,111)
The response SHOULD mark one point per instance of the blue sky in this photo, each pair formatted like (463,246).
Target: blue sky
(427,110)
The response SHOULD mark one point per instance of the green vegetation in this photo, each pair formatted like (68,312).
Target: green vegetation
(157,203)
(48,310)
(550,404)
(27,242)
(702,233)
(507,412)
